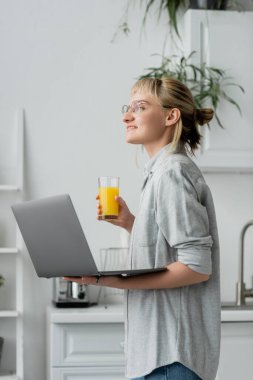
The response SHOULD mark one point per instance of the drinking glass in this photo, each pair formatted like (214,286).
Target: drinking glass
(108,189)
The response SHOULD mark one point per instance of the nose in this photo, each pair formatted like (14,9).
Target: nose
(127,117)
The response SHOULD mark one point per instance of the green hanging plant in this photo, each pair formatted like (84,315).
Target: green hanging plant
(207,84)
(172,8)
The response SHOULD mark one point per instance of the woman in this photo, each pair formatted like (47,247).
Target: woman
(172,318)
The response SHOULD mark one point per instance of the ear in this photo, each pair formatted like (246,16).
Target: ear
(172,117)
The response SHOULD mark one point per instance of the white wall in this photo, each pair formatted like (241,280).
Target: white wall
(233,201)
(58,63)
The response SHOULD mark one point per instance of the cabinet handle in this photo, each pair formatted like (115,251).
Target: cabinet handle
(122,345)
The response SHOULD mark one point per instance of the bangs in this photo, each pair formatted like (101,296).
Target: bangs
(151,86)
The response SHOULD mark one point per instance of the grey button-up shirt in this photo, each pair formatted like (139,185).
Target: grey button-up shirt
(175,222)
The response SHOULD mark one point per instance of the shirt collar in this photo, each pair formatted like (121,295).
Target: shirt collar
(159,156)
(157,159)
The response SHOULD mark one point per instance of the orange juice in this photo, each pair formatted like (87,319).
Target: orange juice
(110,207)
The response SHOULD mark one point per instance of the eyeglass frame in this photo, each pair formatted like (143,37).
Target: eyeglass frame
(137,102)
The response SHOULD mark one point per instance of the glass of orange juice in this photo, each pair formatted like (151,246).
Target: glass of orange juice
(108,189)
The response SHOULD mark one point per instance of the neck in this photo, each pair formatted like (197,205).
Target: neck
(153,148)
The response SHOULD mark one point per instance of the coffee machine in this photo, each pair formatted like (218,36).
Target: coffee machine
(70,294)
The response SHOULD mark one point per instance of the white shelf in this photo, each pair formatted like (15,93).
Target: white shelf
(8,251)
(8,314)
(15,187)
(9,188)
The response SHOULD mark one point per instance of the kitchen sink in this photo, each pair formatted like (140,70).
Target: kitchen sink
(233,306)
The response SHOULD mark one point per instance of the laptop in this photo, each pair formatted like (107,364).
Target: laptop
(56,241)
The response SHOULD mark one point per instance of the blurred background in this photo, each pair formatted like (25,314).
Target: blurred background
(70,67)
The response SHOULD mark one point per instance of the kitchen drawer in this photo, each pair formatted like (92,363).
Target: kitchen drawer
(88,344)
(105,373)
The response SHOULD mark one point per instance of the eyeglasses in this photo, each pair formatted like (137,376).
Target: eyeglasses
(135,107)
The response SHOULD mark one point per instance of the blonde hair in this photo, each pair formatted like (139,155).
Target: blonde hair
(174,94)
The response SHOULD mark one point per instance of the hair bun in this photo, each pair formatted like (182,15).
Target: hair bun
(204,115)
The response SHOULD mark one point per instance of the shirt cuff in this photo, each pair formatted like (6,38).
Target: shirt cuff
(198,260)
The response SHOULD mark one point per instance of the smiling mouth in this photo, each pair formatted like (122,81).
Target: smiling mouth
(131,128)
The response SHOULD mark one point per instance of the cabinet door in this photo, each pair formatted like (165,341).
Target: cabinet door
(88,344)
(236,351)
(216,37)
(104,373)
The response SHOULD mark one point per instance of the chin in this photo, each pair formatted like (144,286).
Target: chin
(133,141)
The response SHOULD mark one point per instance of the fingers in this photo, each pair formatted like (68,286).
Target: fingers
(86,280)
(99,211)
(99,208)
(73,279)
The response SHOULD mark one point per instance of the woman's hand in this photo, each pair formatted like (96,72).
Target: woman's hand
(125,218)
(110,281)
(87,280)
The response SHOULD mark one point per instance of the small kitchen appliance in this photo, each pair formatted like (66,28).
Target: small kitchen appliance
(70,294)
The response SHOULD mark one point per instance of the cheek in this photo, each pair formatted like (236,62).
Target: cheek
(151,123)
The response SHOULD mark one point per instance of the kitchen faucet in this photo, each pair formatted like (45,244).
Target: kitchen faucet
(241,291)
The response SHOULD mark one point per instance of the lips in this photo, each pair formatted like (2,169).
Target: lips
(131,127)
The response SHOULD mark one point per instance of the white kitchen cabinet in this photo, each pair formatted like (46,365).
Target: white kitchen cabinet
(236,351)
(223,39)
(86,344)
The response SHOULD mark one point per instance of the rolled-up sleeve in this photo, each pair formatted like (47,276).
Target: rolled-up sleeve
(183,220)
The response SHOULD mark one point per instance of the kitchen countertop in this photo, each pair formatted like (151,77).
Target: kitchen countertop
(115,313)
(92,314)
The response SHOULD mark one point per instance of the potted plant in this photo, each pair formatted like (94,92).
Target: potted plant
(207,84)
(172,8)
(210,4)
